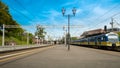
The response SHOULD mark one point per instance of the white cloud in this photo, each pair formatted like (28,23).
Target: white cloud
(70,3)
(94,20)
(98,10)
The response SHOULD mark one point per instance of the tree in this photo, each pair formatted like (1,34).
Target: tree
(31,38)
(6,18)
(73,38)
(40,32)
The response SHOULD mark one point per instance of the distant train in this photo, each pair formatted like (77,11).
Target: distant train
(109,41)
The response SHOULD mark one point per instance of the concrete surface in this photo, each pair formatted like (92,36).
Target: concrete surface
(59,57)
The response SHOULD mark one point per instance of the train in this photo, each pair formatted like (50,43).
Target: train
(108,41)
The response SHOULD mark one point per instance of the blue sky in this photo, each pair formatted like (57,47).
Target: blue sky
(91,14)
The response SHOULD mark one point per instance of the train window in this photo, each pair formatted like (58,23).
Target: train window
(92,39)
(99,39)
(89,39)
(103,38)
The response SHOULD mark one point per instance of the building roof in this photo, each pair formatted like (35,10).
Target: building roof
(93,32)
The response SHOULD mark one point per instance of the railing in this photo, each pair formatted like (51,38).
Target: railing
(18,47)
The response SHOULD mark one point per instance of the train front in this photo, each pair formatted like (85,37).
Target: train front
(113,40)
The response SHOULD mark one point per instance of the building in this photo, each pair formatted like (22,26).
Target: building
(98,31)
(92,33)
(37,41)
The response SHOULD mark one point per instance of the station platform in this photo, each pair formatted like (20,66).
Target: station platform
(59,57)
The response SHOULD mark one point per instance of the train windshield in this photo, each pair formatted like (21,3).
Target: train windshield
(113,38)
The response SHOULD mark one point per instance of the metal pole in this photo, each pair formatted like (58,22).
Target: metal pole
(65,32)
(65,38)
(3,37)
(37,35)
(112,24)
(27,38)
(63,12)
(68,32)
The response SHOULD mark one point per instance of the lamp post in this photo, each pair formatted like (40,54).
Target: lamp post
(27,38)
(3,35)
(68,15)
(37,34)
(64,28)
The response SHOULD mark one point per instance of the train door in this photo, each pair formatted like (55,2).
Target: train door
(99,41)
(95,40)
(88,41)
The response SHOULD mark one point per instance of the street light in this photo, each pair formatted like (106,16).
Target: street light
(3,35)
(64,28)
(74,12)
(63,11)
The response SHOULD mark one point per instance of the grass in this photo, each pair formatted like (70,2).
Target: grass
(17,41)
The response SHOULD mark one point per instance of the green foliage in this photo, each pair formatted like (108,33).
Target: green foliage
(6,18)
(73,38)
(15,34)
(31,38)
(40,32)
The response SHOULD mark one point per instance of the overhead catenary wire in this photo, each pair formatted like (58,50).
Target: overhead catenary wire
(98,1)
(101,22)
(21,13)
(23,7)
(116,6)
(115,14)
(116,22)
